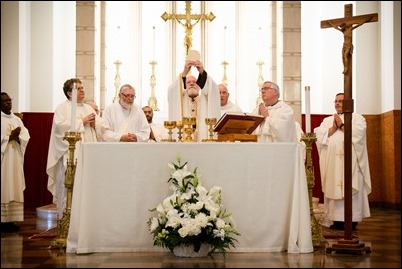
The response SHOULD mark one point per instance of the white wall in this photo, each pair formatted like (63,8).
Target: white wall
(322,65)
(38,55)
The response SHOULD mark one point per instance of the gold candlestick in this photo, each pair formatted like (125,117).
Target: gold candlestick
(316,227)
(210,122)
(260,82)
(152,101)
(63,224)
(117,81)
(224,78)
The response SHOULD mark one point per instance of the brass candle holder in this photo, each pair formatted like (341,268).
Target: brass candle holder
(316,227)
(63,224)
(210,122)
(179,125)
(170,125)
(189,122)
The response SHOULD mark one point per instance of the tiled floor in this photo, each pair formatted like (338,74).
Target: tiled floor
(381,233)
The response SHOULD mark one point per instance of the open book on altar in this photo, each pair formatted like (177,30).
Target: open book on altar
(237,126)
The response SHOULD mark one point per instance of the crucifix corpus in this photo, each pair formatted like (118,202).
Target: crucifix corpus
(185,20)
(346,25)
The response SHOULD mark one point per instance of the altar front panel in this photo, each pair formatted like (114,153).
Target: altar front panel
(264,186)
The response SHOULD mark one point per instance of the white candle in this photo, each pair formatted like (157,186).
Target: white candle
(307,107)
(224,44)
(74,109)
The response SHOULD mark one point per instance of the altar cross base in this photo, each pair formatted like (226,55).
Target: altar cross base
(346,25)
(185,20)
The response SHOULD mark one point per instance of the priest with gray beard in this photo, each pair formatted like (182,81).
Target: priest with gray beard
(191,97)
(126,120)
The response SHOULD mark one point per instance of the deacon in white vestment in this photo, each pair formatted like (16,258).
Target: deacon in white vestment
(330,145)
(58,153)
(188,97)
(158,132)
(14,140)
(226,104)
(126,120)
(279,124)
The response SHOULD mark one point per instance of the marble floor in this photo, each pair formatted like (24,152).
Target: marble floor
(381,234)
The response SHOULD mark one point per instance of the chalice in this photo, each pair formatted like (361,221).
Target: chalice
(170,125)
(189,122)
(210,122)
(179,125)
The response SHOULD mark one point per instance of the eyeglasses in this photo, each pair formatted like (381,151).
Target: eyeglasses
(128,95)
(267,88)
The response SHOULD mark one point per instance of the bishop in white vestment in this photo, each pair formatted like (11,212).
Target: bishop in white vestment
(188,97)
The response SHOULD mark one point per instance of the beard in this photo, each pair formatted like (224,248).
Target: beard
(125,104)
(193,92)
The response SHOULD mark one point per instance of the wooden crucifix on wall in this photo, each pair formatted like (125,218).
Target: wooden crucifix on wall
(346,25)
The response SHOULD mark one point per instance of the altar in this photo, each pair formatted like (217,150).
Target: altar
(263,186)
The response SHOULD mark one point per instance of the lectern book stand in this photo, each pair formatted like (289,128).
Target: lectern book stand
(237,126)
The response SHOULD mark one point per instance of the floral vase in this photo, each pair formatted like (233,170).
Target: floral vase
(188,251)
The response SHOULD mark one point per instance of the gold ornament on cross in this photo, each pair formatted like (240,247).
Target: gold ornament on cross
(185,20)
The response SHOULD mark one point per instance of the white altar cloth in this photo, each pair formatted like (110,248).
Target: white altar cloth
(263,185)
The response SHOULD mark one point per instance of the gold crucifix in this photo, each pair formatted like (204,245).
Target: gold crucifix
(185,20)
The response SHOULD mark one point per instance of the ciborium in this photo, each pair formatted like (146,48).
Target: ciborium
(170,125)
(189,122)
(210,122)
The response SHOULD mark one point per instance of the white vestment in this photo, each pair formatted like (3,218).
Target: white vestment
(230,107)
(208,105)
(160,132)
(122,121)
(58,148)
(12,169)
(279,126)
(331,154)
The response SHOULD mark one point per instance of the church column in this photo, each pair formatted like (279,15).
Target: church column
(102,77)
(291,56)
(85,46)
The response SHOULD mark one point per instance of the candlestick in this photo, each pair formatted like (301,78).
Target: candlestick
(153,44)
(308,116)
(74,109)
(224,44)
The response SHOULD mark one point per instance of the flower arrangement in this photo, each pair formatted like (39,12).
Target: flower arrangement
(192,215)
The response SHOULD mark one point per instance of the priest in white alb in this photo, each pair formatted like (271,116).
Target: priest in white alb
(14,141)
(191,97)
(279,123)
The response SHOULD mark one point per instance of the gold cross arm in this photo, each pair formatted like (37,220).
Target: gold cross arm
(185,20)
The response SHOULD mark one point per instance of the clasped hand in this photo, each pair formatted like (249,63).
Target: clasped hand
(262,110)
(337,121)
(15,134)
(128,138)
(89,119)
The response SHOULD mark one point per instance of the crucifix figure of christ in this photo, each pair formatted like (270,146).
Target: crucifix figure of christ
(346,25)
(186,20)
